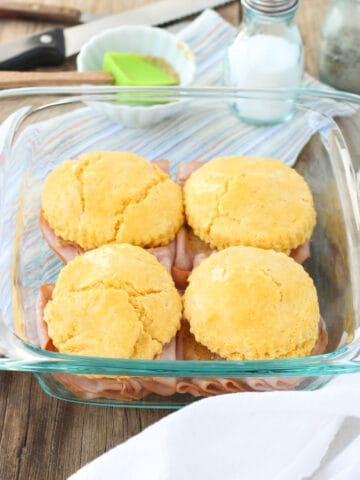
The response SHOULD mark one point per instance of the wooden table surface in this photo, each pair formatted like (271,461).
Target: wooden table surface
(45,439)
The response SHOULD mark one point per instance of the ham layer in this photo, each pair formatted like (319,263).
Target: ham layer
(136,388)
(215,386)
(128,388)
(179,257)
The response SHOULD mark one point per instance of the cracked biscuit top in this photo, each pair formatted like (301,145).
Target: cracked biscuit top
(112,197)
(246,303)
(115,301)
(249,201)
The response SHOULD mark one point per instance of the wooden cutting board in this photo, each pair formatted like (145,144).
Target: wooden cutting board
(309,20)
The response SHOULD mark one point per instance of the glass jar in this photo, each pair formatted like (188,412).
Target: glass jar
(267,53)
(339,56)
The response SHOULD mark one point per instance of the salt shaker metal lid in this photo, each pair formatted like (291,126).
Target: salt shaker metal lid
(271,7)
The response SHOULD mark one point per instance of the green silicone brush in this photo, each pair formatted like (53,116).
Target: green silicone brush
(132,69)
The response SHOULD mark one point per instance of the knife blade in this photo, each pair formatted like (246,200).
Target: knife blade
(10,9)
(50,48)
(13,79)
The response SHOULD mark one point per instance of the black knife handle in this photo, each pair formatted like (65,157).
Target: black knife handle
(45,49)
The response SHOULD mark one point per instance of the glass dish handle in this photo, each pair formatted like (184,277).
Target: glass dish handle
(350,171)
(7,130)
(4,346)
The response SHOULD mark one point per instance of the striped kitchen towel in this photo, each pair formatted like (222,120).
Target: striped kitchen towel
(197,133)
(201,133)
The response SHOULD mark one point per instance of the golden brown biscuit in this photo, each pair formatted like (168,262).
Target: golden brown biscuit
(191,349)
(249,303)
(114,301)
(112,197)
(249,201)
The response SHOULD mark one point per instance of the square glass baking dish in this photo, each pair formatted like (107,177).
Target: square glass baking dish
(44,126)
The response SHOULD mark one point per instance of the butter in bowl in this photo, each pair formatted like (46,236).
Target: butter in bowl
(139,70)
(139,56)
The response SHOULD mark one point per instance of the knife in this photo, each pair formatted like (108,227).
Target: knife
(50,48)
(41,11)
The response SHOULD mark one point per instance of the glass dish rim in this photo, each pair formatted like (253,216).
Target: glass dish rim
(301,94)
(38,360)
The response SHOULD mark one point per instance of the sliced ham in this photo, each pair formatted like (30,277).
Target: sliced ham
(203,387)
(301,253)
(184,347)
(189,349)
(110,388)
(163,164)
(66,251)
(179,259)
(165,255)
(183,263)
(185,170)
(164,386)
(190,251)
(215,386)
(122,388)
(288,383)
(181,255)
(131,388)
(269,384)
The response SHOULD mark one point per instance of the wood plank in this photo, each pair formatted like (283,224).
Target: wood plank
(309,19)
(44,438)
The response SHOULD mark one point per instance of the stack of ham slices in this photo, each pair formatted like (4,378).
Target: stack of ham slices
(179,257)
(181,347)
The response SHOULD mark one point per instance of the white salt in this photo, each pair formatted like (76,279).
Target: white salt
(264,62)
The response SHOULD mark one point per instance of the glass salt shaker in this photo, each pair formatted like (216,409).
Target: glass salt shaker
(266,54)
(339,56)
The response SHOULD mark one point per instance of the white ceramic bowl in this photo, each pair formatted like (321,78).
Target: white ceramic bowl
(145,41)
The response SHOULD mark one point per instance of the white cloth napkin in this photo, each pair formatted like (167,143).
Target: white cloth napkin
(247,436)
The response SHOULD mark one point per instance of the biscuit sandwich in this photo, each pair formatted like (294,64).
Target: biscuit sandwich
(237,200)
(109,197)
(251,201)
(246,303)
(116,301)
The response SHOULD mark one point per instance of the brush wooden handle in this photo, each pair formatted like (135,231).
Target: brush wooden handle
(40,79)
(38,11)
